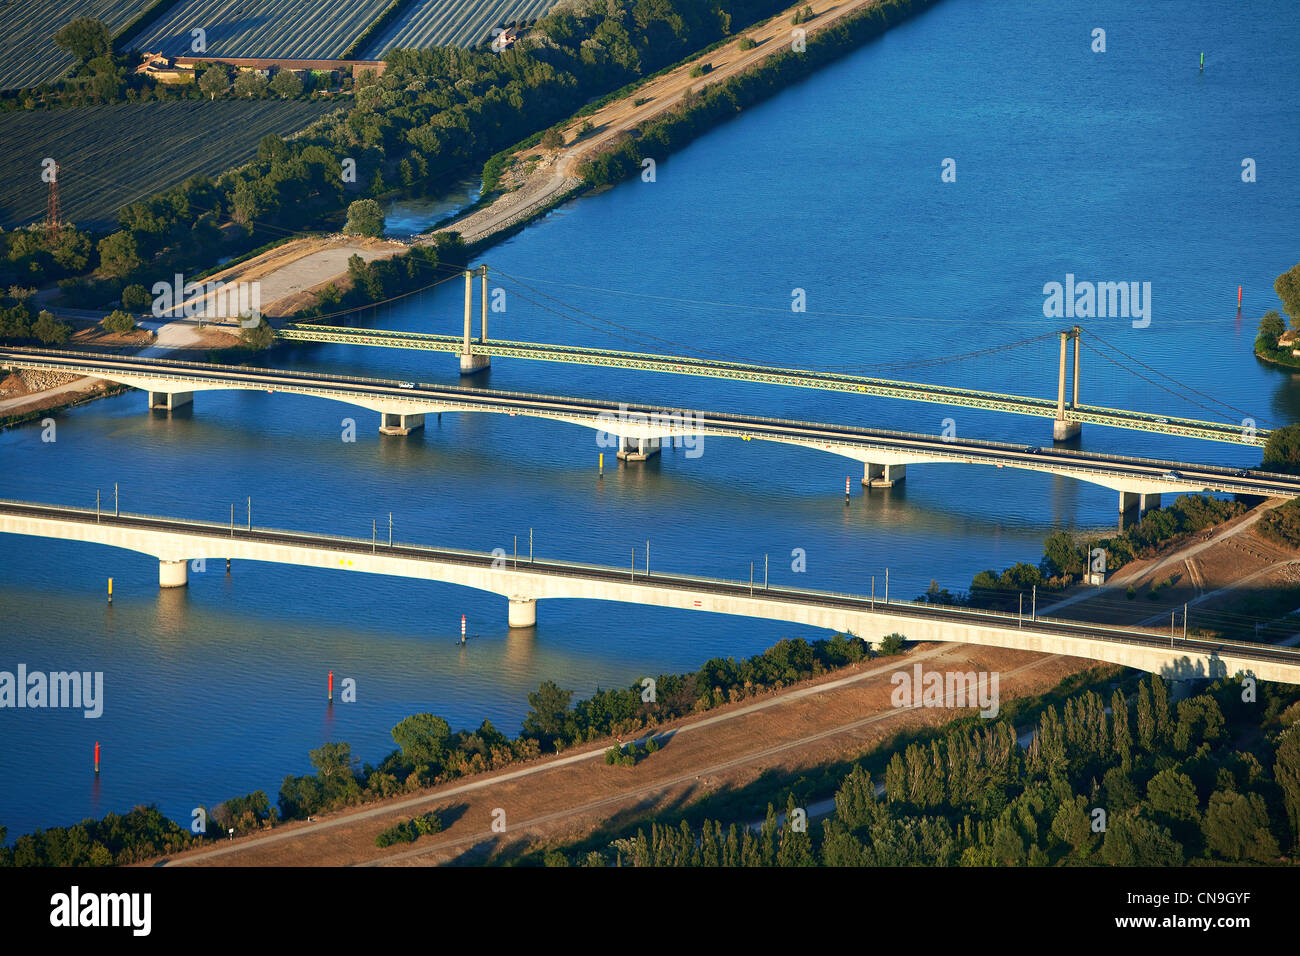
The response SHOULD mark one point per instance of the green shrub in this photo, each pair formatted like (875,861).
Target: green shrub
(50,330)
(1282,524)
(118,322)
(891,644)
(411,830)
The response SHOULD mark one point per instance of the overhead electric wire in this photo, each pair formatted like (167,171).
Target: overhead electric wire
(919,363)
(1213,411)
(1156,371)
(403,295)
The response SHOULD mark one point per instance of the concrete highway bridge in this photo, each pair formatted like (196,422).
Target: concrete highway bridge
(175,541)
(639,431)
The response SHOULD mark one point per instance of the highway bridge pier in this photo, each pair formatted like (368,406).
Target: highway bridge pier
(172,574)
(882,476)
(398,423)
(523,612)
(170,400)
(637,449)
(1128,500)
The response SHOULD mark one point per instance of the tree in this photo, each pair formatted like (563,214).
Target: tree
(1287,287)
(249,201)
(1282,450)
(135,296)
(118,322)
(256,337)
(1062,555)
(1173,794)
(891,644)
(214,81)
(108,86)
(365,217)
(50,330)
(1271,327)
(286,83)
(1236,827)
(549,717)
(71,249)
(1133,840)
(85,38)
(1072,824)
(118,253)
(423,738)
(855,801)
(250,83)
(1286,771)
(552,139)
(272,149)
(333,761)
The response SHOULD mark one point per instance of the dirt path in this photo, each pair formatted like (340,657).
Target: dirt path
(825,720)
(290,272)
(1209,568)
(663,93)
(555,173)
(49,395)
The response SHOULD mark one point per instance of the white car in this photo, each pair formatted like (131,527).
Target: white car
(1173,475)
(406,385)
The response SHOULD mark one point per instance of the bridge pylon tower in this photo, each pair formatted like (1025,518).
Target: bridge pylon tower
(1063,428)
(471,362)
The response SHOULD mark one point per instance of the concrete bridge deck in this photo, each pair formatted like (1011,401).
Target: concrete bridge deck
(640,430)
(175,541)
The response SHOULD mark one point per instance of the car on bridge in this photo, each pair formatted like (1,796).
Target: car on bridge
(406,385)
(1173,476)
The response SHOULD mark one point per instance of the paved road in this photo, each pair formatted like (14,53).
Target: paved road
(1112,470)
(689,583)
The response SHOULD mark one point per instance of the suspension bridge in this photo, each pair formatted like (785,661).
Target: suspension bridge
(1067,413)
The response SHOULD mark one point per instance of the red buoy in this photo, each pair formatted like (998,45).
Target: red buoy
(331,687)
(96,756)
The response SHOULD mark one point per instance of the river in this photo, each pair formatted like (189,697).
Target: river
(1115,166)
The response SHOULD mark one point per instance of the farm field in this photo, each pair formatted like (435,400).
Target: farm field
(302,29)
(451,23)
(28,55)
(110,156)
